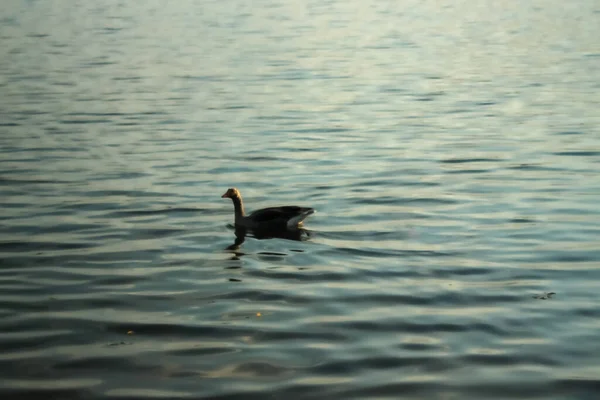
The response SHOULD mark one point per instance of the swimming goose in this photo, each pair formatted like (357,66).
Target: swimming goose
(272,218)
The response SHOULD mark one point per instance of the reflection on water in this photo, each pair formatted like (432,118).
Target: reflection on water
(298,234)
(450,148)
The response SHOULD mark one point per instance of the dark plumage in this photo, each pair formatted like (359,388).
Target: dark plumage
(272,218)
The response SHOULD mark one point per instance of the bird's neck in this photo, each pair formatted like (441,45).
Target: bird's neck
(239,207)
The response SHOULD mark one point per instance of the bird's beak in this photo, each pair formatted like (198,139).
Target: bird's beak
(224,196)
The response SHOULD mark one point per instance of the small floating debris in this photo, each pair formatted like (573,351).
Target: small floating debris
(117,344)
(234,280)
(544,296)
(258,314)
(130,332)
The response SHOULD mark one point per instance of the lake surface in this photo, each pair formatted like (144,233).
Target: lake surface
(451,150)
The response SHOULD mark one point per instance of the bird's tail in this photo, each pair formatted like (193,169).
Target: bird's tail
(294,222)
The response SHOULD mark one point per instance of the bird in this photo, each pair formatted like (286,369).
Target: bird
(267,219)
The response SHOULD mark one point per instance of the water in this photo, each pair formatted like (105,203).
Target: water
(451,150)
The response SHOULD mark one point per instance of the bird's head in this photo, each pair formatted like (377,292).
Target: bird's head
(231,193)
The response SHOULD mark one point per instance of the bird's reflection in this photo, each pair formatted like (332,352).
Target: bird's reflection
(298,234)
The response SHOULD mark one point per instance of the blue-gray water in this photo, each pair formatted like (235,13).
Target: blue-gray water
(451,149)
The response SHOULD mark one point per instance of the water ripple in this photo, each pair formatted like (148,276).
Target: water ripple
(454,251)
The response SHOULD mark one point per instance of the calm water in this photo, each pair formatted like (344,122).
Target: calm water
(451,149)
